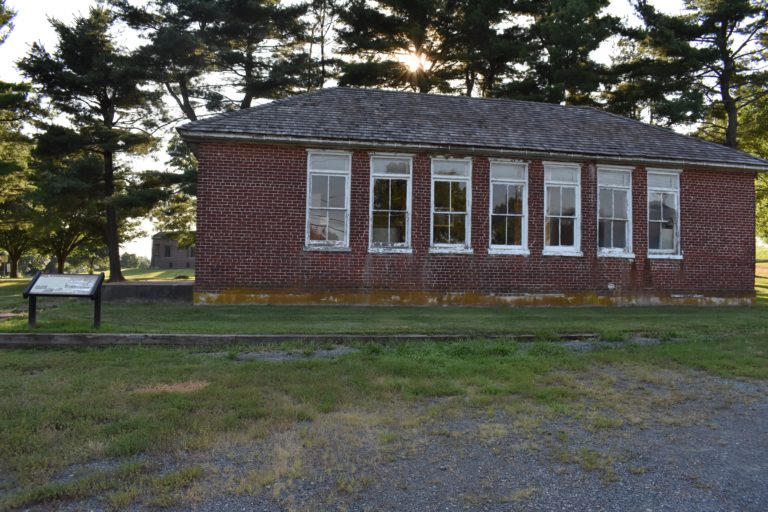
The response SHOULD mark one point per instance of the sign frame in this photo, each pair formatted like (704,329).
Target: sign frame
(94,294)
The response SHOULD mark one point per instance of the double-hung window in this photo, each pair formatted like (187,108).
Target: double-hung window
(614,211)
(509,208)
(390,228)
(663,214)
(451,205)
(328,178)
(562,209)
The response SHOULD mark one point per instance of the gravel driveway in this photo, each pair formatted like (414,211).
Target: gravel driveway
(632,441)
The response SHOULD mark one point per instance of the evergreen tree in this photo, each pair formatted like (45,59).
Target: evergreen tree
(555,65)
(395,43)
(716,40)
(99,87)
(66,215)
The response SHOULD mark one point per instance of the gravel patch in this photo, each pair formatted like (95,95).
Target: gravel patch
(635,441)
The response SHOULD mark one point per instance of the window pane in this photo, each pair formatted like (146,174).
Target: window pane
(336,191)
(566,232)
(498,230)
(620,204)
(458,196)
(450,168)
(317,223)
(380,229)
(319,192)
(501,171)
(515,195)
(604,234)
(442,196)
(654,207)
(619,234)
(328,162)
(499,198)
(553,200)
(552,231)
(514,231)
(391,166)
(569,201)
(667,235)
(441,228)
(458,229)
(336,225)
(654,235)
(617,178)
(399,195)
(662,180)
(563,174)
(669,211)
(397,228)
(380,194)
(606,203)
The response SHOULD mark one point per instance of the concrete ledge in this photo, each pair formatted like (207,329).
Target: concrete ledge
(177,292)
(425,298)
(63,340)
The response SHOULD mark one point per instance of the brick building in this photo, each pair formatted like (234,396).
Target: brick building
(166,253)
(368,196)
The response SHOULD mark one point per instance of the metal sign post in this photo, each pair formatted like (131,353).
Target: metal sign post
(65,285)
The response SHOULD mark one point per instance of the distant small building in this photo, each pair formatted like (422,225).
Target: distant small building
(166,253)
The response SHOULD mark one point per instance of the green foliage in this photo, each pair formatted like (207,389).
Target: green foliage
(130,260)
(712,47)
(6,21)
(557,66)
(101,89)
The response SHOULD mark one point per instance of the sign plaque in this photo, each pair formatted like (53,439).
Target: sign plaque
(65,285)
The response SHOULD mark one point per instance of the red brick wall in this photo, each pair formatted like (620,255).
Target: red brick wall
(251,228)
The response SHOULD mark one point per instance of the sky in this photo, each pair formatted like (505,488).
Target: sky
(31,25)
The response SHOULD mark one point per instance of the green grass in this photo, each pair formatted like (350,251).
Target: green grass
(71,315)
(59,408)
(135,274)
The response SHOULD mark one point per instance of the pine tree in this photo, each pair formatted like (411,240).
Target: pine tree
(100,88)
(395,43)
(555,65)
(717,41)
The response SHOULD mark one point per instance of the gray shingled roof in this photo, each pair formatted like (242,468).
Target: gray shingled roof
(410,120)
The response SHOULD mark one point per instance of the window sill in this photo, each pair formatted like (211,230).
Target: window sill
(571,253)
(665,256)
(451,250)
(625,255)
(326,248)
(390,250)
(500,251)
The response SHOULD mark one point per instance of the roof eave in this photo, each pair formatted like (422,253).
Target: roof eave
(198,136)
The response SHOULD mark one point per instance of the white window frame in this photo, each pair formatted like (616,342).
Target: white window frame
(664,254)
(395,248)
(521,249)
(559,250)
(465,248)
(613,252)
(324,245)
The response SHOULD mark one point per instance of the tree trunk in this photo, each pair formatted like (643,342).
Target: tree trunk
(60,261)
(14,266)
(112,238)
(729,104)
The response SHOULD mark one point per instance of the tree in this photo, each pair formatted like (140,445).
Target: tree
(395,43)
(555,65)
(100,88)
(644,86)
(716,40)
(65,214)
(177,213)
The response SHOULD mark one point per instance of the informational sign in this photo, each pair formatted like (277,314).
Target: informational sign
(65,285)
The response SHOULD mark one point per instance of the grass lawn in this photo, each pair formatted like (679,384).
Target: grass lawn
(100,422)
(135,274)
